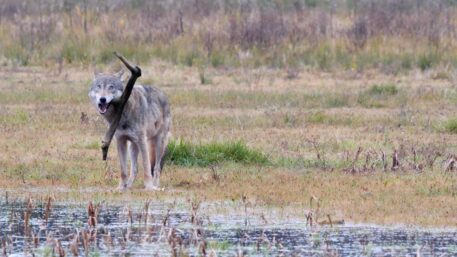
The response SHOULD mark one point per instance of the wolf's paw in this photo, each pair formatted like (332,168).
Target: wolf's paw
(130,183)
(152,187)
(121,188)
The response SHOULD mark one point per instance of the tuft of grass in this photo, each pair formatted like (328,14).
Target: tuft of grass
(336,101)
(187,154)
(425,62)
(204,79)
(89,145)
(218,59)
(383,89)
(442,75)
(318,117)
(20,117)
(450,126)
(377,95)
(407,61)
(290,120)
(219,245)
(324,57)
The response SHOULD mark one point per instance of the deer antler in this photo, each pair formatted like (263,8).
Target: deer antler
(136,73)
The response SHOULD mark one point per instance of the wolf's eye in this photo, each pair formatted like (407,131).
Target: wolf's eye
(99,86)
(110,87)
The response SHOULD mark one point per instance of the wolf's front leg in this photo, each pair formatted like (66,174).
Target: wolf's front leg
(122,152)
(144,150)
(133,163)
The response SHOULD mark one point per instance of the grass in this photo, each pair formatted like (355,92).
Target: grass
(220,36)
(377,96)
(186,154)
(219,245)
(450,126)
(249,99)
(382,90)
(382,198)
(254,133)
(20,117)
(427,60)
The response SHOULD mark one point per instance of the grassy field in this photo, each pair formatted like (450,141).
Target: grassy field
(368,147)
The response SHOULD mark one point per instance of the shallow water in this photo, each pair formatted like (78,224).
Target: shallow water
(119,234)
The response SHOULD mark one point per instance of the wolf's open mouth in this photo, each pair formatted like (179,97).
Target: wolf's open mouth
(103,107)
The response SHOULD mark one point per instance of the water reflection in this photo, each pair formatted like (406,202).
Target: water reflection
(163,230)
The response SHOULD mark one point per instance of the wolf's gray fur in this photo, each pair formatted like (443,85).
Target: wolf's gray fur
(144,127)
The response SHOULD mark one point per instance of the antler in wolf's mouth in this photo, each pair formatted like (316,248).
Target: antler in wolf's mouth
(103,107)
(136,73)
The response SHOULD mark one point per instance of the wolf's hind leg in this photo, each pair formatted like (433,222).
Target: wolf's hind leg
(164,155)
(152,154)
(133,163)
(165,137)
(144,150)
(122,152)
(159,153)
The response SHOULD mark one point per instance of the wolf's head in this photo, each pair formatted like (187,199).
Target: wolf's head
(105,90)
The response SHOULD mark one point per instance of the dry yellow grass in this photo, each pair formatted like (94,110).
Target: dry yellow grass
(46,145)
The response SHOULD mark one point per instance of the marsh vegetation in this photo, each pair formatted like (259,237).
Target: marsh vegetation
(349,103)
(46,228)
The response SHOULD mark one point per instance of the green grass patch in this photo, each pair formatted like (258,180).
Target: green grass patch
(336,100)
(321,117)
(383,90)
(377,96)
(68,93)
(89,145)
(450,126)
(184,153)
(20,117)
(428,60)
(220,245)
(187,154)
(318,117)
(259,99)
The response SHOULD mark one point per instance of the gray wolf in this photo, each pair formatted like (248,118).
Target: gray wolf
(144,127)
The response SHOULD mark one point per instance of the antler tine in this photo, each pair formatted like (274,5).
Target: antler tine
(136,73)
(132,69)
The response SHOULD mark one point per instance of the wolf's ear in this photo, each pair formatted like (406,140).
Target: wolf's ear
(119,74)
(96,73)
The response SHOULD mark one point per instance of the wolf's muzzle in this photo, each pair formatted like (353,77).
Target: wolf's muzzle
(103,105)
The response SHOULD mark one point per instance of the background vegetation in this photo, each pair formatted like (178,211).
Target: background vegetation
(389,35)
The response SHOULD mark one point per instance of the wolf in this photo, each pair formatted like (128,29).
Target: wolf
(144,127)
